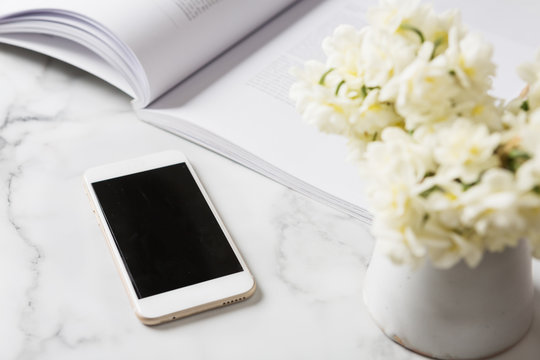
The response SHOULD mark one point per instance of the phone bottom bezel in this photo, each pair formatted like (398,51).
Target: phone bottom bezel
(179,303)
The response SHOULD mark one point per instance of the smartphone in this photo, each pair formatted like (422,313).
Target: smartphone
(172,251)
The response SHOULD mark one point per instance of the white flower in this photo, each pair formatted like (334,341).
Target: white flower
(411,20)
(395,167)
(470,58)
(450,172)
(384,56)
(442,199)
(418,232)
(456,247)
(530,72)
(416,23)
(528,175)
(424,91)
(342,50)
(398,240)
(443,207)
(337,99)
(315,98)
(390,14)
(492,208)
(528,133)
(513,120)
(480,107)
(465,150)
(398,157)
(373,116)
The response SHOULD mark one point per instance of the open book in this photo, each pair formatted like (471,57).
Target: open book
(216,72)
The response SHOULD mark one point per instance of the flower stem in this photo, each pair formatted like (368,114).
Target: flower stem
(436,44)
(413,29)
(323,77)
(339,86)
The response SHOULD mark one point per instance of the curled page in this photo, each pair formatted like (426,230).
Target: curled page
(153,45)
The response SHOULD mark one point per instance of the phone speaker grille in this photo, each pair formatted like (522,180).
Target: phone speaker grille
(234,300)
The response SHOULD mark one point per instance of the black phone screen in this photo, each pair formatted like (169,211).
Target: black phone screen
(164,229)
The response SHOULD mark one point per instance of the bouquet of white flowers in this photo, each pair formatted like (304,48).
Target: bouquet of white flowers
(452,171)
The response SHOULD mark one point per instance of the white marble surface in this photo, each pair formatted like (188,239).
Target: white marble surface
(60,296)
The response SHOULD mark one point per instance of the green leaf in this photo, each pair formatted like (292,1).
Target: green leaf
(339,87)
(431,190)
(436,44)
(323,77)
(518,154)
(469,185)
(514,159)
(525,105)
(413,29)
(364,90)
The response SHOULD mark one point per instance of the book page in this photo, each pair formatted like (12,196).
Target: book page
(170,39)
(243,97)
(70,52)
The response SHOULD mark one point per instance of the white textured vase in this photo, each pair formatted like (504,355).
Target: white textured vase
(458,313)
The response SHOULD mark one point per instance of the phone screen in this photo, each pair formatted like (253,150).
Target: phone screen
(165,230)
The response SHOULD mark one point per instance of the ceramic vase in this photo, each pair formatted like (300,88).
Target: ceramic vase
(456,313)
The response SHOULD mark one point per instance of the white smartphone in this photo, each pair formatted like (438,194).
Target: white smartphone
(172,251)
